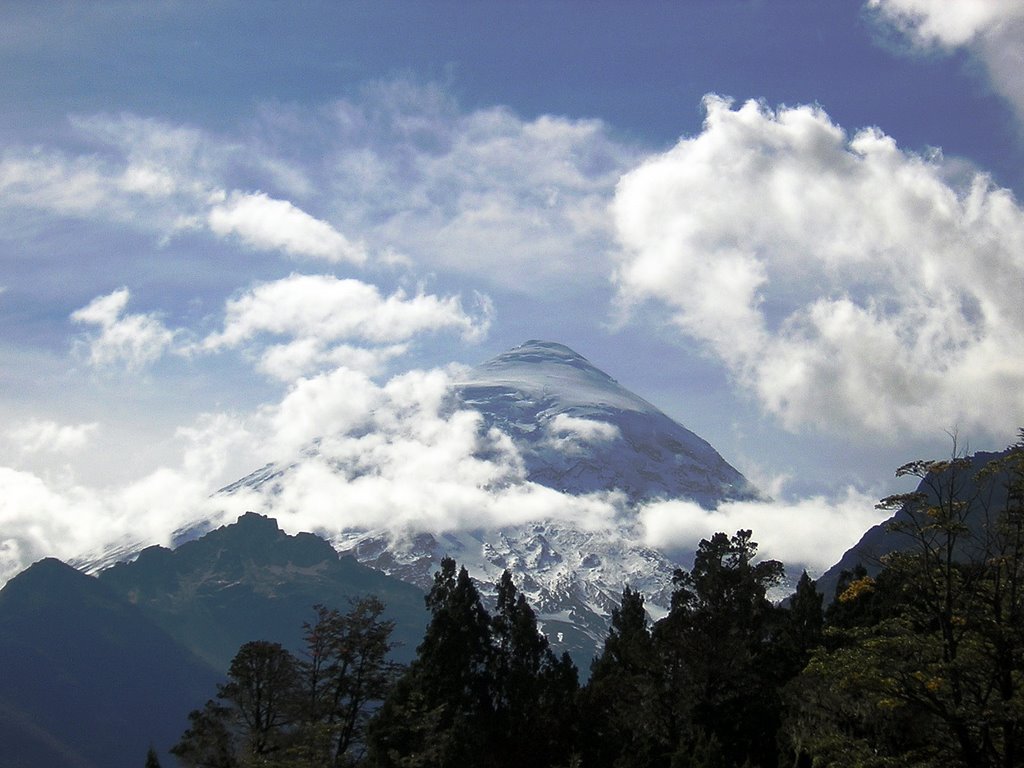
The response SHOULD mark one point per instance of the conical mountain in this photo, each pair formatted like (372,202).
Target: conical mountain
(574,429)
(580,431)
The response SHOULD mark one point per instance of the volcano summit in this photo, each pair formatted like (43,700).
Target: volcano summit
(580,431)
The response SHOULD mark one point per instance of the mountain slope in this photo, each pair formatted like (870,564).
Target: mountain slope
(95,670)
(251,581)
(878,541)
(86,679)
(572,578)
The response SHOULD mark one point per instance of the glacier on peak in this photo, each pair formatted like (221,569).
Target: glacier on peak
(580,431)
(547,370)
(571,578)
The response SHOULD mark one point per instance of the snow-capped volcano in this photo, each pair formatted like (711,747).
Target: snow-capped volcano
(580,431)
(576,437)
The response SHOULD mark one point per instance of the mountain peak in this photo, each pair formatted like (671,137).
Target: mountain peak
(47,576)
(537,353)
(538,350)
(554,373)
(580,431)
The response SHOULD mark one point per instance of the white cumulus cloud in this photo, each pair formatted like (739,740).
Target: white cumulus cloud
(396,456)
(325,316)
(132,339)
(572,434)
(948,23)
(307,355)
(59,516)
(354,454)
(812,532)
(848,284)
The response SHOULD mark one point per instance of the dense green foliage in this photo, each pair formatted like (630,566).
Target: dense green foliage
(482,691)
(700,687)
(920,664)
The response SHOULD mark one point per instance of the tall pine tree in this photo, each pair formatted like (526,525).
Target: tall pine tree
(624,685)
(442,706)
(533,691)
(719,636)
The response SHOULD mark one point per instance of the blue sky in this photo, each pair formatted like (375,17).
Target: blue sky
(795,227)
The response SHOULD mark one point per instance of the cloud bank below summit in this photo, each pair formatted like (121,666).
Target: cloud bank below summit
(389,456)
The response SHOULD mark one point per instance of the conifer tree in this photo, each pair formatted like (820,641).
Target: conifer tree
(447,683)
(717,649)
(623,687)
(534,692)
(802,626)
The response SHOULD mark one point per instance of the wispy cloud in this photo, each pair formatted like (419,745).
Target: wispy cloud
(850,285)
(166,179)
(398,175)
(487,193)
(45,436)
